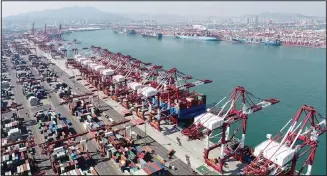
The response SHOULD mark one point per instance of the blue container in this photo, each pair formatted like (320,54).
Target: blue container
(100,124)
(172,111)
(164,105)
(139,149)
(191,112)
(160,165)
(68,122)
(61,95)
(153,169)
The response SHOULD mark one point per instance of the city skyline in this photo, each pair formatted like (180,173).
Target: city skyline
(221,9)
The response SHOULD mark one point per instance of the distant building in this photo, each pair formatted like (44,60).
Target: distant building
(199,27)
(256,20)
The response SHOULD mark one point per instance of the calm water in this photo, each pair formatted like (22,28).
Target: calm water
(296,76)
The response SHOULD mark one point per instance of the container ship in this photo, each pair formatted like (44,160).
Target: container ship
(131,32)
(273,43)
(194,37)
(237,40)
(251,41)
(152,35)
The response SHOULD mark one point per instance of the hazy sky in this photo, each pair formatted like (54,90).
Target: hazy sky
(178,8)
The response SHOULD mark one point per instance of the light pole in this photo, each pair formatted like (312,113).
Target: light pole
(74,78)
(98,100)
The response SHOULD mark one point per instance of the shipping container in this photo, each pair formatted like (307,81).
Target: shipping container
(147,170)
(140,172)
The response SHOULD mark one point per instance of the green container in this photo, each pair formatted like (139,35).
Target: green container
(131,155)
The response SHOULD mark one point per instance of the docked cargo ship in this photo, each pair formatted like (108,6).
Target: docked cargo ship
(236,40)
(205,38)
(118,31)
(273,43)
(155,35)
(131,32)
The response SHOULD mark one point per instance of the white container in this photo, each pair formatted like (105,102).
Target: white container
(86,62)
(110,133)
(77,56)
(32,101)
(148,91)
(140,172)
(23,149)
(118,78)
(282,156)
(81,59)
(92,65)
(107,72)
(189,99)
(134,85)
(214,123)
(58,149)
(99,68)
(5,84)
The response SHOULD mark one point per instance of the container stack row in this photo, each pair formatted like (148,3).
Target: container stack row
(52,126)
(17,160)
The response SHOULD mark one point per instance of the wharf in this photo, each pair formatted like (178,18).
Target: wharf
(190,153)
(146,139)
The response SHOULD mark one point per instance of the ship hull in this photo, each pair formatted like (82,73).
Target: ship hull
(204,38)
(238,40)
(273,43)
(158,36)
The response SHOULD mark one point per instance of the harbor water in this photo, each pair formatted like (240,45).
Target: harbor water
(296,76)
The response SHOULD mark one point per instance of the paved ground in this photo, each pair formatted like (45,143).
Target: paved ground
(190,153)
(102,167)
(182,167)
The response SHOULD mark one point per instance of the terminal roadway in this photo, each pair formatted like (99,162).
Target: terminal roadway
(182,168)
(103,166)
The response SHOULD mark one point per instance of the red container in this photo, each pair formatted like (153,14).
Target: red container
(77,171)
(147,170)
(25,167)
(155,166)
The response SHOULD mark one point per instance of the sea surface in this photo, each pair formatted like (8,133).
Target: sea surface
(296,76)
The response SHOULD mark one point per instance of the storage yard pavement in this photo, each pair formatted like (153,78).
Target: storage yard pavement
(162,148)
(163,143)
(102,166)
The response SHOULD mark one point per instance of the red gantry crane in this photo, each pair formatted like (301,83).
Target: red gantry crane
(281,154)
(218,118)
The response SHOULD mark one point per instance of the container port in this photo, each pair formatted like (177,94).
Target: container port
(268,34)
(90,111)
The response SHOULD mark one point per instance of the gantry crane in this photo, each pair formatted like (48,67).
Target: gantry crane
(281,154)
(70,98)
(218,118)
(12,106)
(172,88)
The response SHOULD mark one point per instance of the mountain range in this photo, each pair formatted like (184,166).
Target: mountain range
(94,14)
(66,13)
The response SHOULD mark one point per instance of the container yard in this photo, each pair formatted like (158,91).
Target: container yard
(101,112)
(269,34)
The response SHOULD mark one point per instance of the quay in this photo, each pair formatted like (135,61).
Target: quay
(190,155)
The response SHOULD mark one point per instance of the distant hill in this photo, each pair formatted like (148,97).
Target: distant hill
(283,16)
(67,13)
(160,18)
